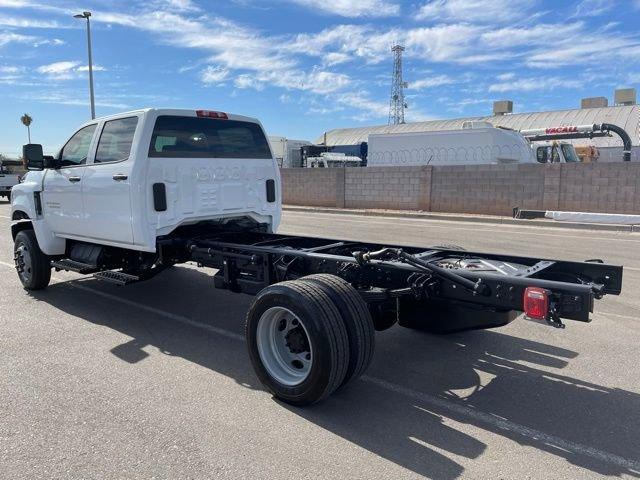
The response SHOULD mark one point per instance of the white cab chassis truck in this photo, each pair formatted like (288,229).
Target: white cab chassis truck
(130,195)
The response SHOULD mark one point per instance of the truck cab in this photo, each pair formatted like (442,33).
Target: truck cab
(125,180)
(555,152)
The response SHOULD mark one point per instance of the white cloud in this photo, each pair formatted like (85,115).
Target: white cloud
(548,35)
(229,44)
(431,82)
(367,107)
(10,37)
(71,98)
(248,81)
(14,3)
(481,11)
(214,75)
(353,8)
(603,49)
(19,22)
(10,75)
(593,8)
(66,70)
(443,43)
(58,68)
(335,58)
(319,82)
(177,5)
(345,42)
(535,84)
(11,69)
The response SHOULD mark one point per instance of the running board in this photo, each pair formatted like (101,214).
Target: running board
(73,266)
(118,278)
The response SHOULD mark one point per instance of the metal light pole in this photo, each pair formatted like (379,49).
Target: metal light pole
(93,105)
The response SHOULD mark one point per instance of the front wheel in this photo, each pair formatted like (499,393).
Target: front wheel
(33,266)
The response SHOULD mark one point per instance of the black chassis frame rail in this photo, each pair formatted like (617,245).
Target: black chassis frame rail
(250,260)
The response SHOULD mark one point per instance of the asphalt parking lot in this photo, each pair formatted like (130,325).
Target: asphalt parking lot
(153,380)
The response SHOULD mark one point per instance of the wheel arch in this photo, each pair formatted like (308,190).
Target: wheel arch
(19,215)
(19,226)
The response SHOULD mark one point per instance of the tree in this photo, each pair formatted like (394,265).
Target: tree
(26,121)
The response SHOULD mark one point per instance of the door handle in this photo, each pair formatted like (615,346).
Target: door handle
(119,177)
(74,179)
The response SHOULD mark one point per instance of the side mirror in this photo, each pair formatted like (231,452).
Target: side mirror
(32,154)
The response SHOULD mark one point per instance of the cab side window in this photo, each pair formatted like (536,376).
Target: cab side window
(542,154)
(116,139)
(76,150)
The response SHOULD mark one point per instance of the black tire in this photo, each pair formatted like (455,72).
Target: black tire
(35,273)
(357,321)
(327,336)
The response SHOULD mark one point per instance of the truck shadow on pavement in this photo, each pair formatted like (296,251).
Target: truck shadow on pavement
(501,375)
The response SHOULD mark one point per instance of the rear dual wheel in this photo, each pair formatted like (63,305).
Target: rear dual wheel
(308,337)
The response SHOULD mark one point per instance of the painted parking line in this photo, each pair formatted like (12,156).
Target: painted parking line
(439,403)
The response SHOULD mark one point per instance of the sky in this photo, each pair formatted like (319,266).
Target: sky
(307,66)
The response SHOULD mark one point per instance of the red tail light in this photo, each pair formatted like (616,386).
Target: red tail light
(536,303)
(212,114)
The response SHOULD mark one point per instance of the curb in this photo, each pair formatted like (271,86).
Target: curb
(466,218)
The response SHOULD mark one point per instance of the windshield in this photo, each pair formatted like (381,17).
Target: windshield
(195,137)
(569,153)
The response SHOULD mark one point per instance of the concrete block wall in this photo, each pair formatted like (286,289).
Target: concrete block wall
(406,188)
(316,187)
(481,189)
(600,187)
(488,189)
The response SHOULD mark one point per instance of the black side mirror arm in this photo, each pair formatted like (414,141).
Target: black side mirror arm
(49,161)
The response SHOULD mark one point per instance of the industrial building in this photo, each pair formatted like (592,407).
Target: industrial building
(625,114)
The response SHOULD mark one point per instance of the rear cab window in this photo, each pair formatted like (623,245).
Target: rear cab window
(197,137)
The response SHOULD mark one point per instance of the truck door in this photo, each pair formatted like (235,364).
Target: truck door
(106,190)
(62,192)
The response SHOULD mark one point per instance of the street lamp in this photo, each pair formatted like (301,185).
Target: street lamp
(87,15)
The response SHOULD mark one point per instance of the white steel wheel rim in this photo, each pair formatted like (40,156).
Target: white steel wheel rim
(284,346)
